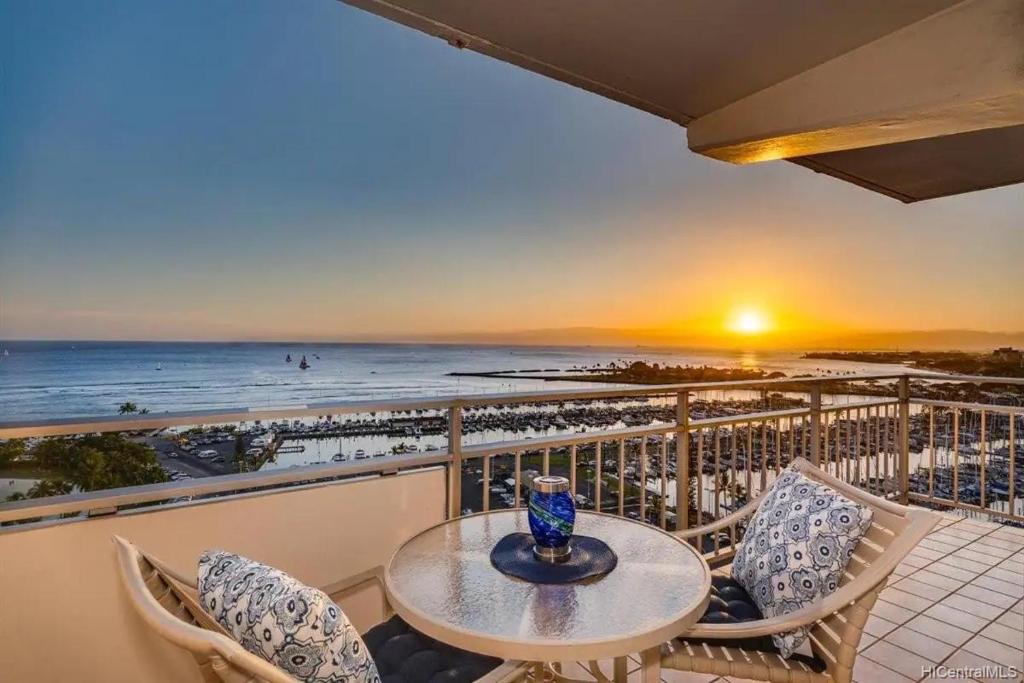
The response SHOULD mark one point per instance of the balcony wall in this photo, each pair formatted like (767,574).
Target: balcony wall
(64,615)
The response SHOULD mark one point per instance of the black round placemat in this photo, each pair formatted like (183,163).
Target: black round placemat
(591,557)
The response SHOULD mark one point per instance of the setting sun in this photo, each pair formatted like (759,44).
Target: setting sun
(748,321)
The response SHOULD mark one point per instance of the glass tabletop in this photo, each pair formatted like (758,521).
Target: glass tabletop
(442,582)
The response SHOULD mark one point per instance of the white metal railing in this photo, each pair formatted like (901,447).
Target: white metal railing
(625,470)
(969,460)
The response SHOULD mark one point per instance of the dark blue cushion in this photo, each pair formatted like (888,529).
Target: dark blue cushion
(404,655)
(731,604)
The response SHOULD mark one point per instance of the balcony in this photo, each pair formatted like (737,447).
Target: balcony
(957,601)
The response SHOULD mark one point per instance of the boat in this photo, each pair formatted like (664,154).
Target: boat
(288,358)
(338,457)
(303,364)
(360,453)
(159,367)
(6,353)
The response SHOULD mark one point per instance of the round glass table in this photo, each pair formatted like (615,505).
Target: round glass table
(443,584)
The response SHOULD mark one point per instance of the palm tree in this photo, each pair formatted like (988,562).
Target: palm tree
(127,408)
(44,488)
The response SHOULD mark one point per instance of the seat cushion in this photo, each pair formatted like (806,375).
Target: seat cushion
(731,604)
(796,548)
(272,615)
(404,655)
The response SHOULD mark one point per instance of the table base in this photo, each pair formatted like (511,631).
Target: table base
(650,670)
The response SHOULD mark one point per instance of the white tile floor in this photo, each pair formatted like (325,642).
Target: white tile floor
(957,601)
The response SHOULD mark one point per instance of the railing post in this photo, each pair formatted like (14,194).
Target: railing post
(816,425)
(682,460)
(903,389)
(455,466)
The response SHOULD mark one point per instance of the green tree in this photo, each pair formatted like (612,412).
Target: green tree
(50,487)
(11,451)
(99,461)
(127,408)
(51,454)
(240,459)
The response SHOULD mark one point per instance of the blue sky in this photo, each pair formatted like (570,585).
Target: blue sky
(273,169)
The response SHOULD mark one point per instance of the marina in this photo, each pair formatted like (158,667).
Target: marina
(952,456)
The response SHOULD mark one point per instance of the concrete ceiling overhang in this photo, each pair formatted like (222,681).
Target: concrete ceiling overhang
(915,99)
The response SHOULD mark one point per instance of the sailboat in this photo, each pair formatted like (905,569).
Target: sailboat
(303,365)
(6,353)
(288,358)
(159,367)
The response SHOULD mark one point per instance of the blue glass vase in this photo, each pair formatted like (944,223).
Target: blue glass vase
(552,514)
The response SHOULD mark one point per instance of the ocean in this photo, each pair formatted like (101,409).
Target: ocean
(61,379)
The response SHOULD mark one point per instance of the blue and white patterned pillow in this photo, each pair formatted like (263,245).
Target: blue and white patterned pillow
(295,627)
(797,547)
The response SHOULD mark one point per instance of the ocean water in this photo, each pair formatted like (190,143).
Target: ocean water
(49,380)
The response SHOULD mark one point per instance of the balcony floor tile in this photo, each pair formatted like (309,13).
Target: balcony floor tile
(965,608)
(996,651)
(924,645)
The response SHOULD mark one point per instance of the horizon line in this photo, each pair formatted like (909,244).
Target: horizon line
(761,342)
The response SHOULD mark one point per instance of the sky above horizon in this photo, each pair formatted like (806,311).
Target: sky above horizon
(303,170)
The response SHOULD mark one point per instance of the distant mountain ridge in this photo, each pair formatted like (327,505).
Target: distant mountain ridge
(935,340)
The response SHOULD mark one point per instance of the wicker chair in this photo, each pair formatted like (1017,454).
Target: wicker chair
(167,602)
(838,620)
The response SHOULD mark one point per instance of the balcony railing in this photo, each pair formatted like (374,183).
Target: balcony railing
(324,522)
(932,452)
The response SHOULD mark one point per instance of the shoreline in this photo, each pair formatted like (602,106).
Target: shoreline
(643,374)
(1003,362)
